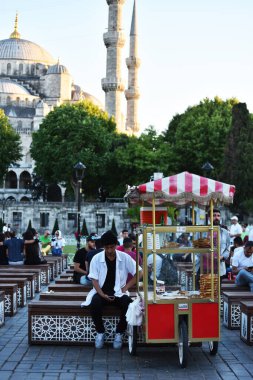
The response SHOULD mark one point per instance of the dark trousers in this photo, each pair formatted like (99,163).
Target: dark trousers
(96,309)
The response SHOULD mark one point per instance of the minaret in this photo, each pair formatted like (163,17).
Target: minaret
(132,93)
(114,41)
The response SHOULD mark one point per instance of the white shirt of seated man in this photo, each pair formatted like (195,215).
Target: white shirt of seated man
(241,261)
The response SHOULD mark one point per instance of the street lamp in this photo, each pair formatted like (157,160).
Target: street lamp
(207,168)
(79,169)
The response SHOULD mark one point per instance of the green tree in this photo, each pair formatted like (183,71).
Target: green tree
(114,230)
(69,134)
(134,160)
(56,226)
(10,147)
(84,230)
(238,161)
(199,135)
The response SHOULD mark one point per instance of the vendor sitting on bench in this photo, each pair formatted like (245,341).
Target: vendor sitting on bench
(109,270)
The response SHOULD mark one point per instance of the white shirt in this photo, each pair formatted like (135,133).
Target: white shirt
(58,243)
(98,271)
(235,229)
(158,264)
(240,260)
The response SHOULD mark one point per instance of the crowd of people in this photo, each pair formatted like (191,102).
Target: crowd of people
(30,249)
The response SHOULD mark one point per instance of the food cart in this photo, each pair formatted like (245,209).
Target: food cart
(185,311)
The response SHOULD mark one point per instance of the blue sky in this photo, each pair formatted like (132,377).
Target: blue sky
(189,49)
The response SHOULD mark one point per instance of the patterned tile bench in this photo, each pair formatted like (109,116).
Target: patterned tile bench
(68,288)
(68,296)
(232,313)
(45,271)
(66,322)
(57,262)
(35,271)
(30,288)
(229,287)
(10,298)
(246,332)
(2,317)
(22,285)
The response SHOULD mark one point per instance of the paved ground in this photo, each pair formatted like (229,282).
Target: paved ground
(19,361)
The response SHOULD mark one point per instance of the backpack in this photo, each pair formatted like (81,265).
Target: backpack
(168,272)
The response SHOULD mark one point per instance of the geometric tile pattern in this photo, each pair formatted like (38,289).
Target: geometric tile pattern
(1,312)
(235,315)
(61,328)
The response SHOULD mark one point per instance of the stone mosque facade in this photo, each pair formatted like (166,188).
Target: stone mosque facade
(33,82)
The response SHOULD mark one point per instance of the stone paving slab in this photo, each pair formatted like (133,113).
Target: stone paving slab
(20,361)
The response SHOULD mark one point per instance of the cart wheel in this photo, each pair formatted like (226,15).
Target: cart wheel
(213,347)
(132,339)
(183,344)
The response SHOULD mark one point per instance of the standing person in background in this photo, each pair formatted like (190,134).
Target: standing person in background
(15,248)
(124,234)
(45,241)
(235,229)
(57,244)
(3,251)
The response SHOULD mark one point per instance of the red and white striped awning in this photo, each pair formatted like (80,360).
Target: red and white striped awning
(181,189)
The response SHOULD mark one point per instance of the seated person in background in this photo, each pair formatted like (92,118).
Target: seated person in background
(242,266)
(32,249)
(45,241)
(183,241)
(3,251)
(57,244)
(80,269)
(238,245)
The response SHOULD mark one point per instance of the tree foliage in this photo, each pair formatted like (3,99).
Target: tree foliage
(69,134)
(56,227)
(10,147)
(238,160)
(199,135)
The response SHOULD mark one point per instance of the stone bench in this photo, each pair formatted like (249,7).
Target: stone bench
(246,332)
(231,305)
(22,285)
(68,288)
(2,316)
(30,288)
(45,271)
(15,270)
(68,296)
(66,322)
(10,298)
(57,262)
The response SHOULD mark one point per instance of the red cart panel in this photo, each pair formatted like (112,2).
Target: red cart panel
(161,323)
(205,320)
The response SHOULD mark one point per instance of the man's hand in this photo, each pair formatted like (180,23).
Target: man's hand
(108,298)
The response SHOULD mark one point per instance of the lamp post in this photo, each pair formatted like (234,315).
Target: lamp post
(207,168)
(79,169)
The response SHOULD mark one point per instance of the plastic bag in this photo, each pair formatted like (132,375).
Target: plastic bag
(222,268)
(134,313)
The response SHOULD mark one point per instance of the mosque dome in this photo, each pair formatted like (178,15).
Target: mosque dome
(9,87)
(15,48)
(57,69)
(19,49)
